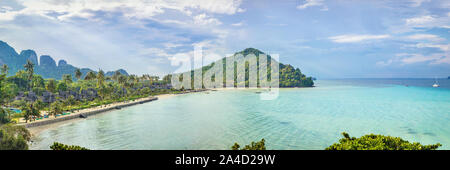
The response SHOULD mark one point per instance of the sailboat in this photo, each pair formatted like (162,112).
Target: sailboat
(436,84)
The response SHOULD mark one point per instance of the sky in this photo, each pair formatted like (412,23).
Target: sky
(324,38)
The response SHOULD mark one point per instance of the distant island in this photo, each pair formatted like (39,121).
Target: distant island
(288,77)
(46,67)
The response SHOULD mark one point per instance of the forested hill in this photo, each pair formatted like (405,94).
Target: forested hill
(46,67)
(289,76)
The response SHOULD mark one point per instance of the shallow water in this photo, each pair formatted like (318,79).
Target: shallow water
(305,118)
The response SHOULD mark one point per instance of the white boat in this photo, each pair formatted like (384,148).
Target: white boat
(436,84)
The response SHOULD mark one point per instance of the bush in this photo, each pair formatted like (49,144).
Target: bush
(378,142)
(253,146)
(62,147)
(14,137)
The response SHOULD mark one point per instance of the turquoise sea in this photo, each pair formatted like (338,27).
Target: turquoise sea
(300,118)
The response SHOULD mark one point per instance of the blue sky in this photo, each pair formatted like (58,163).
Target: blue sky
(324,38)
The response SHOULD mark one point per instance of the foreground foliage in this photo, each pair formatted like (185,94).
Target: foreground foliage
(14,137)
(378,142)
(62,147)
(253,146)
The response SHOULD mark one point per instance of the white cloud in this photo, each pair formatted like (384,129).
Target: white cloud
(311,3)
(412,58)
(443,60)
(428,21)
(356,38)
(442,47)
(172,45)
(430,37)
(417,58)
(420,20)
(145,9)
(384,63)
(154,52)
(203,19)
(417,3)
(238,24)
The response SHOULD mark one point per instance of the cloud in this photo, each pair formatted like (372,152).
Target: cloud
(171,45)
(238,24)
(311,3)
(429,37)
(417,58)
(412,58)
(154,52)
(442,47)
(145,9)
(356,38)
(428,21)
(417,3)
(420,20)
(385,63)
(203,19)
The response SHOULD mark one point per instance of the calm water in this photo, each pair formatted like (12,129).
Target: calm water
(308,118)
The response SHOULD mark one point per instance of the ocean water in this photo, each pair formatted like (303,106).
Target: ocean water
(300,118)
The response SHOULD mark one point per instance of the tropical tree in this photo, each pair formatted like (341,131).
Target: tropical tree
(62,147)
(2,88)
(100,78)
(90,76)
(116,75)
(122,79)
(132,79)
(61,86)
(38,104)
(4,116)
(67,78)
(253,146)
(378,142)
(30,111)
(29,68)
(51,85)
(55,108)
(14,138)
(78,74)
(5,69)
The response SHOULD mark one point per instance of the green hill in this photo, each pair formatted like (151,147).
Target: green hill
(288,77)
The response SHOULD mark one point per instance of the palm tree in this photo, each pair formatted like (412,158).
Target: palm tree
(67,78)
(131,79)
(122,79)
(29,67)
(5,116)
(116,75)
(51,85)
(100,78)
(5,69)
(78,74)
(29,110)
(55,108)
(90,76)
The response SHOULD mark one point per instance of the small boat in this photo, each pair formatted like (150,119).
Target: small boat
(436,84)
